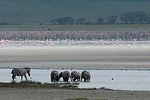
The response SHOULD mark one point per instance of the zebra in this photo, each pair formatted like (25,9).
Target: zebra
(20,72)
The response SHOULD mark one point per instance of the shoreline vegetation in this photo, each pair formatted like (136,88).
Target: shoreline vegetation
(53,85)
(38,91)
(32,84)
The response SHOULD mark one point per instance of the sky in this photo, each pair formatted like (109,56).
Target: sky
(42,11)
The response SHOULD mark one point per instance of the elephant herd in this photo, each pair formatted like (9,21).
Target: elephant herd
(74,76)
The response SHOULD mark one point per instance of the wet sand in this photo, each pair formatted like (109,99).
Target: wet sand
(80,57)
(63,94)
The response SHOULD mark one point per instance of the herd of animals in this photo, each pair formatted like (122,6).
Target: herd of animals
(55,75)
(74,76)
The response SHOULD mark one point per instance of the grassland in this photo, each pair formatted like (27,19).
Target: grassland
(118,27)
(27,84)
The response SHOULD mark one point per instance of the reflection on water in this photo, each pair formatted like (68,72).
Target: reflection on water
(114,79)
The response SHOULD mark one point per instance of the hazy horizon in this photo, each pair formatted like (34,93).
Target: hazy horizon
(42,11)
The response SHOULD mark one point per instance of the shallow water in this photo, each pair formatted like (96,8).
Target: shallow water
(122,79)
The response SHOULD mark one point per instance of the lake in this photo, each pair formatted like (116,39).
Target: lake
(122,79)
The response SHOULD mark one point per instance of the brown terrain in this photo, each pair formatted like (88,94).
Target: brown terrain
(19,93)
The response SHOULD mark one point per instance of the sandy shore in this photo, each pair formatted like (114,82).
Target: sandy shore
(89,57)
(15,93)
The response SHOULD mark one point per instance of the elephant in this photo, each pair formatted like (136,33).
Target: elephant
(75,76)
(65,75)
(86,76)
(54,76)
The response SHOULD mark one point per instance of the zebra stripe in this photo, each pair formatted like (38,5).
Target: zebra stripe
(20,72)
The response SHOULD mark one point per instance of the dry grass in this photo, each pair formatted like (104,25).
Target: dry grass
(41,85)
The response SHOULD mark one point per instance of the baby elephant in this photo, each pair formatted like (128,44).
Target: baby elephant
(54,76)
(65,75)
(75,76)
(86,76)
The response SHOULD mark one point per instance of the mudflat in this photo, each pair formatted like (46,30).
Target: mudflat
(90,57)
(20,93)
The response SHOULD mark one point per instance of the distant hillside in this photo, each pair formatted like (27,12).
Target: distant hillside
(43,11)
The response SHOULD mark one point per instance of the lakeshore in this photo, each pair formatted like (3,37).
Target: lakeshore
(77,57)
(16,93)
(38,91)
